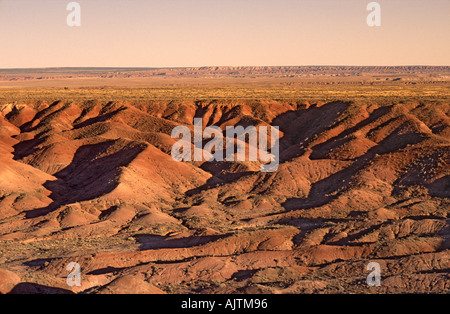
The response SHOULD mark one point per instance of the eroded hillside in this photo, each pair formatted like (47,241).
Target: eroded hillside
(93,182)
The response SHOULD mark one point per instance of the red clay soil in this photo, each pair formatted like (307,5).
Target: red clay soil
(94,183)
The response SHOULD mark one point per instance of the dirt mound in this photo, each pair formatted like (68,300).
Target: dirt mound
(93,182)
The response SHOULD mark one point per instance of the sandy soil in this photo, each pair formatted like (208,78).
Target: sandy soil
(87,179)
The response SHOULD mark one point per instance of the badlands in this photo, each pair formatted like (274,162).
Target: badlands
(87,177)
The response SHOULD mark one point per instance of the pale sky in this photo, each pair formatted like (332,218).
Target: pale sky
(184,33)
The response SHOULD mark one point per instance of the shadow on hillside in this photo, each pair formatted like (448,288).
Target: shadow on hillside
(440,187)
(150,242)
(104,117)
(93,172)
(299,127)
(302,125)
(328,189)
(28,147)
(320,150)
(34,288)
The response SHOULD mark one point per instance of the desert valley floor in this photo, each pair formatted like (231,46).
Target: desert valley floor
(86,176)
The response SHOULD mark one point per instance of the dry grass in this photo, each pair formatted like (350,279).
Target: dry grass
(306,92)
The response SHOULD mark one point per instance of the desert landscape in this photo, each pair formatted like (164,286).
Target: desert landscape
(87,177)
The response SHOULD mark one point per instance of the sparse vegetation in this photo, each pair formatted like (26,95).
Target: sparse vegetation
(364,175)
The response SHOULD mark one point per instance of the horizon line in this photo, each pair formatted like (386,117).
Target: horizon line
(220,66)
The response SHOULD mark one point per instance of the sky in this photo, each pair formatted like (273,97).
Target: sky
(190,33)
